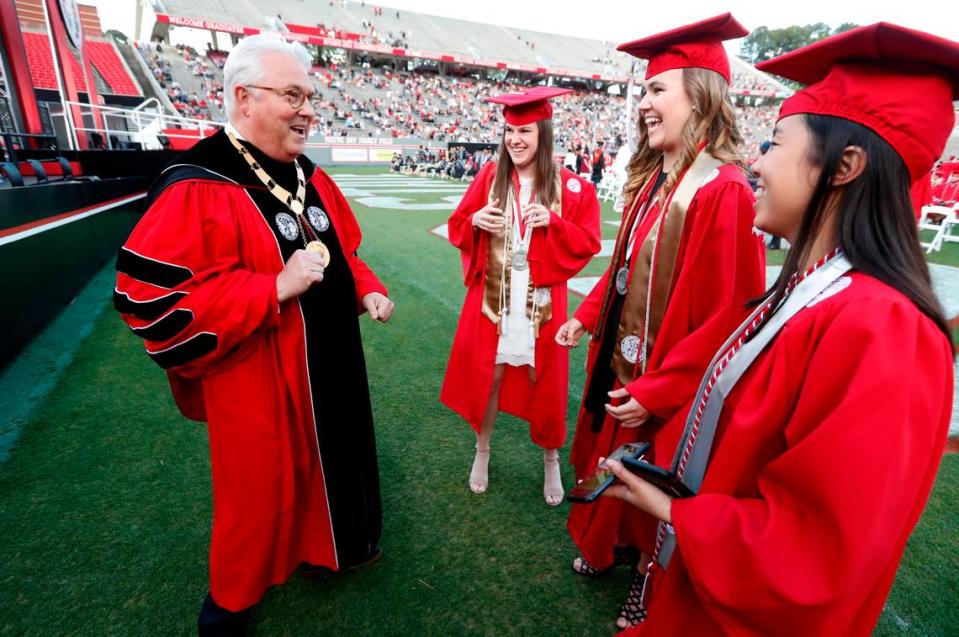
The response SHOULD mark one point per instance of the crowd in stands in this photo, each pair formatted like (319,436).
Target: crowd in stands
(751,83)
(370,34)
(360,101)
(363,102)
(456,163)
(756,125)
(205,99)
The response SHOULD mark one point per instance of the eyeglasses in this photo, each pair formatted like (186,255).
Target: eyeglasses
(293,96)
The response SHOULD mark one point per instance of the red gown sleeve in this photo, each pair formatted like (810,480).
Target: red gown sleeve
(462,234)
(724,268)
(183,287)
(350,236)
(834,510)
(570,240)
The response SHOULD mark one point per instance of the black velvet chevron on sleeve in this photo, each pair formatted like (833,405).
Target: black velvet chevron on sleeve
(145,310)
(186,351)
(165,328)
(152,271)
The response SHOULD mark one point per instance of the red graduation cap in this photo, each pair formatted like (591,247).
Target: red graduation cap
(529,106)
(697,45)
(897,82)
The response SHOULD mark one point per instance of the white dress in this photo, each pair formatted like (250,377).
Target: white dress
(516,345)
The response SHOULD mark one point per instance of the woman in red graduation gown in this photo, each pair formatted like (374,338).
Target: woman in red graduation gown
(827,447)
(678,281)
(525,226)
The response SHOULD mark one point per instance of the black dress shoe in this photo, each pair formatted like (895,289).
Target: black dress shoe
(369,558)
(216,621)
(313,571)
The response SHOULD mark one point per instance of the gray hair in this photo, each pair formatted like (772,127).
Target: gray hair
(244,66)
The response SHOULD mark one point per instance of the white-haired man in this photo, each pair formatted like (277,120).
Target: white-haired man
(243,280)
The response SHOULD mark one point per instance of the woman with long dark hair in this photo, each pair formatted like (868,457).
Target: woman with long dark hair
(817,432)
(525,227)
(685,263)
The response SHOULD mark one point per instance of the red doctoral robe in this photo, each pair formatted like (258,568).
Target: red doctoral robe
(719,266)
(825,455)
(197,282)
(556,254)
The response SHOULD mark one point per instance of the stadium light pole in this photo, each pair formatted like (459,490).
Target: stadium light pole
(72,136)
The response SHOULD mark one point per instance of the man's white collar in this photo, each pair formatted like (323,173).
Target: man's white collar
(230,128)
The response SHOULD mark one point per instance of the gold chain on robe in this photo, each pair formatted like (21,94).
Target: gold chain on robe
(499,258)
(650,285)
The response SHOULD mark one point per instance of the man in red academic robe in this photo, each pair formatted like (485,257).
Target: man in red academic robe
(260,337)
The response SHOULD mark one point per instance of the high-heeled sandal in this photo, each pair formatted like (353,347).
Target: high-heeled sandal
(622,556)
(554,496)
(632,612)
(479,481)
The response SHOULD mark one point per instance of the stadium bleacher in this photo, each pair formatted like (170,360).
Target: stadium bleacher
(413,99)
(37,47)
(418,31)
(194,84)
(101,52)
(104,57)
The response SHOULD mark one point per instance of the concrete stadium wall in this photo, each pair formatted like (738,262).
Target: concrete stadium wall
(46,259)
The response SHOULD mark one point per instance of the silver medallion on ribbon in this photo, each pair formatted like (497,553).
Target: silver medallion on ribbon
(318,218)
(287,226)
(520,260)
(629,346)
(622,279)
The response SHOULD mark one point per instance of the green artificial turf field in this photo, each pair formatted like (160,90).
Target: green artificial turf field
(105,499)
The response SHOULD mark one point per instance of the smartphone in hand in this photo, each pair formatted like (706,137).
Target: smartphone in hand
(660,478)
(588,489)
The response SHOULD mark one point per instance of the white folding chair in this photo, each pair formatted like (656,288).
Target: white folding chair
(938,219)
(609,188)
(950,223)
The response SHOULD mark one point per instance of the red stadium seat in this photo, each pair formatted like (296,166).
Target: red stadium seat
(100,53)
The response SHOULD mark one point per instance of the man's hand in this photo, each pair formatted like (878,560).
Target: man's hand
(631,413)
(303,270)
(490,218)
(569,333)
(379,306)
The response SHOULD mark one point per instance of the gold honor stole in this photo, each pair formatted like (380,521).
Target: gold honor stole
(499,263)
(652,277)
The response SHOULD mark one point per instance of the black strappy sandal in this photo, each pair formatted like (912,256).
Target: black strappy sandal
(622,556)
(632,612)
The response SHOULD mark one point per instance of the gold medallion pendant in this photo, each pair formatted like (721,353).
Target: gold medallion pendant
(319,248)
(295,202)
